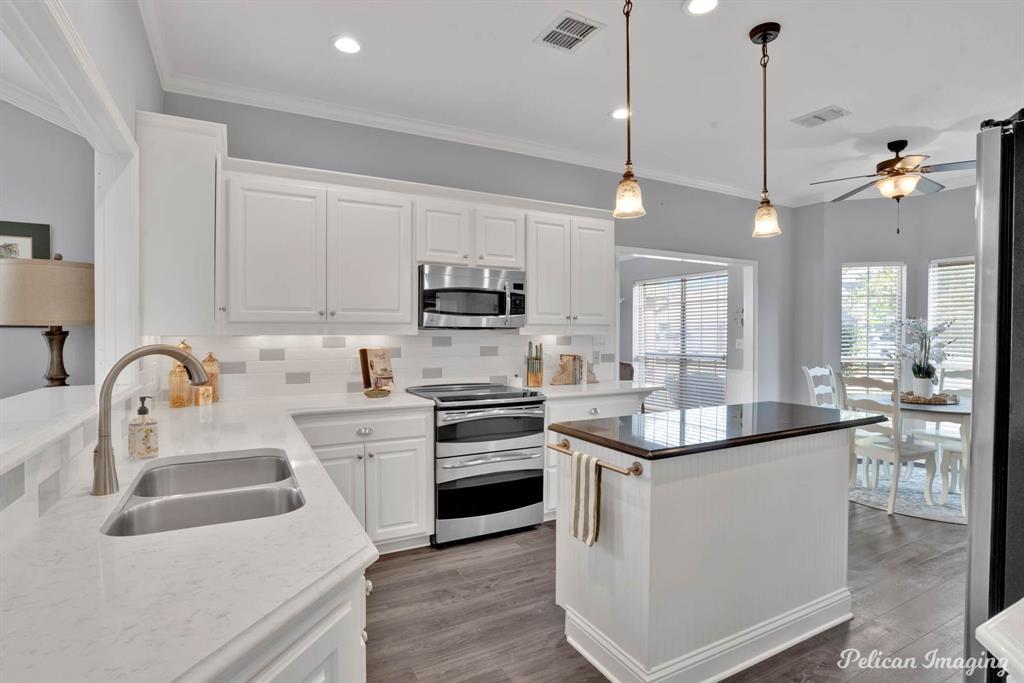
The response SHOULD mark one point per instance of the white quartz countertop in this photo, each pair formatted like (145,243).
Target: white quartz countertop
(77,605)
(554,392)
(1003,637)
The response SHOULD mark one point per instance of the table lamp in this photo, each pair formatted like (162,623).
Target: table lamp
(44,293)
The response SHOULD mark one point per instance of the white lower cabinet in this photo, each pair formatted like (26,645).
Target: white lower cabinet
(579,408)
(332,650)
(383,468)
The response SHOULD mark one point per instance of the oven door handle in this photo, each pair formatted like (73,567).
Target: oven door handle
(490,461)
(467,415)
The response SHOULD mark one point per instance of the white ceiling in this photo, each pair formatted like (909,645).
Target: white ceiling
(469,70)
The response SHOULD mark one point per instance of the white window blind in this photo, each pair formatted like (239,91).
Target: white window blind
(872,300)
(680,339)
(951,298)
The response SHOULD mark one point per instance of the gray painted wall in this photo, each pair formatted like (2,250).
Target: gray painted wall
(45,177)
(115,36)
(829,235)
(678,218)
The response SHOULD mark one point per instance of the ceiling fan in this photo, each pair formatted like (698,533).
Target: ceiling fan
(897,177)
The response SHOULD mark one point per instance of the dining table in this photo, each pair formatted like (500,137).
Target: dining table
(951,413)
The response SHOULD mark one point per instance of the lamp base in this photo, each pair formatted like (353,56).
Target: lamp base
(56,375)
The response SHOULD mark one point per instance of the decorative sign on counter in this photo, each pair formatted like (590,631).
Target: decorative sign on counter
(378,378)
(573,369)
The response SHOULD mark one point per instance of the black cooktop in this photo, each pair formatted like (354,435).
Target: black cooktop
(464,394)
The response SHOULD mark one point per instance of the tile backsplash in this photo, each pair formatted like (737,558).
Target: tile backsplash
(265,365)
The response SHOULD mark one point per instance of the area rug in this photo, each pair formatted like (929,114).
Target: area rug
(910,498)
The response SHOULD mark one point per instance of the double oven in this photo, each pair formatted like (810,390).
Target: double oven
(488,459)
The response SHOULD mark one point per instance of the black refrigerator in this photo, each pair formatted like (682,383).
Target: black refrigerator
(995,577)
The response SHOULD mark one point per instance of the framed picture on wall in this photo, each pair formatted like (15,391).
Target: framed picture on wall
(24,240)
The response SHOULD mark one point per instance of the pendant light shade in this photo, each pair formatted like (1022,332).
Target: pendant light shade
(628,200)
(766,218)
(898,186)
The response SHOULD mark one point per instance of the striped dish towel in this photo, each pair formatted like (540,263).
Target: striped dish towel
(585,500)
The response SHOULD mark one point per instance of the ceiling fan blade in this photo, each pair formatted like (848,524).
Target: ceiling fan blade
(952,166)
(910,162)
(836,180)
(927,185)
(853,192)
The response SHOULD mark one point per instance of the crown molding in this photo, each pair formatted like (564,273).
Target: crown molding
(36,105)
(155,36)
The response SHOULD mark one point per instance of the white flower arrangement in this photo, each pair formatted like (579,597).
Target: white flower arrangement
(923,348)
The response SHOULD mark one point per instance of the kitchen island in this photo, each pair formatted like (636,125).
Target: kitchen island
(730,544)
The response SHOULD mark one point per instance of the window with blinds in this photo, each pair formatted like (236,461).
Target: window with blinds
(951,298)
(680,339)
(872,300)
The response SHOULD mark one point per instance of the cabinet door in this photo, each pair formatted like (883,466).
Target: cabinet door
(276,260)
(443,232)
(500,238)
(593,271)
(345,466)
(547,269)
(370,276)
(399,499)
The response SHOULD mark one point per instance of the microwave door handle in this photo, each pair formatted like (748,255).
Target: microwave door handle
(490,461)
(508,302)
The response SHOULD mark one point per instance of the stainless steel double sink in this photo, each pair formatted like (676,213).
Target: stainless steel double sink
(208,489)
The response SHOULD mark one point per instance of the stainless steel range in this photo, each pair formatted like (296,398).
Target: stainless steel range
(488,458)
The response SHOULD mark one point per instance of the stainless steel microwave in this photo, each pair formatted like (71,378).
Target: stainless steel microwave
(471,298)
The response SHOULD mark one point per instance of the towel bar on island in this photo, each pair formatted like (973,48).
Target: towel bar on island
(634,470)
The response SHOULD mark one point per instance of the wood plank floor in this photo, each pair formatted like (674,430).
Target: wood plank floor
(485,611)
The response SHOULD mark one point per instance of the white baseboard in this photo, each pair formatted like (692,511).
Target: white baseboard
(395,545)
(717,660)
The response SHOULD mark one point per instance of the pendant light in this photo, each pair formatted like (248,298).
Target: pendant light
(628,201)
(766,219)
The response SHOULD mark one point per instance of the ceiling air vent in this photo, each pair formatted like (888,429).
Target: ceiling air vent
(568,31)
(816,118)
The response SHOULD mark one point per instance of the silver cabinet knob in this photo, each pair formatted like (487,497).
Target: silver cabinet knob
(568,317)
(465,256)
(369,586)
(359,457)
(481,257)
(364,636)
(320,313)
(369,455)
(334,313)
(594,411)
(575,317)
(223,309)
(364,431)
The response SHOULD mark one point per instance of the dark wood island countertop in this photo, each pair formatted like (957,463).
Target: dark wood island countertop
(695,430)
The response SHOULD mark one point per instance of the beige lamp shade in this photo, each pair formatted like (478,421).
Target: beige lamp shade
(37,292)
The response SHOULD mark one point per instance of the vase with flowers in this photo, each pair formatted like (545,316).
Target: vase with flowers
(923,348)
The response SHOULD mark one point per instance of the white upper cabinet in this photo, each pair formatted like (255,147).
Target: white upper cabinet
(500,238)
(548,270)
(276,251)
(369,257)
(593,271)
(444,232)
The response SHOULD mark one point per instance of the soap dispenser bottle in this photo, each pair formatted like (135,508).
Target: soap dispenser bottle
(142,434)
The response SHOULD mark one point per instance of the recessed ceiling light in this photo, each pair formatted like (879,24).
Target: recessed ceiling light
(701,6)
(346,44)
(621,113)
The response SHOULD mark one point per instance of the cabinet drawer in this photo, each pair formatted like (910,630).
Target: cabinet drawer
(592,409)
(325,430)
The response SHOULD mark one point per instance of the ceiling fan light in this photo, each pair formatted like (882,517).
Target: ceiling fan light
(629,202)
(766,220)
(898,186)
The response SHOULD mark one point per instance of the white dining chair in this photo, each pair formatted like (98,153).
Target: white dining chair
(884,442)
(822,389)
(947,437)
